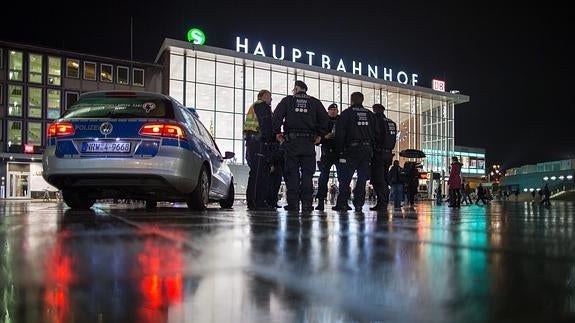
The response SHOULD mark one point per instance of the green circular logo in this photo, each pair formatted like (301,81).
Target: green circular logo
(196,36)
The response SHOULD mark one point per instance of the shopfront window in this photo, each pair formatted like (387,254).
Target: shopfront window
(90,71)
(15,100)
(34,102)
(54,104)
(123,75)
(138,76)
(73,68)
(106,73)
(14,132)
(54,70)
(35,68)
(15,66)
(35,133)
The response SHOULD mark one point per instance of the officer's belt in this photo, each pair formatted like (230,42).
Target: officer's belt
(251,135)
(293,135)
(359,143)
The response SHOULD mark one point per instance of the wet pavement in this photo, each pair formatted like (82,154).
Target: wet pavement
(505,262)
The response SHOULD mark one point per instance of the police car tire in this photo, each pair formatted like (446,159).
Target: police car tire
(76,200)
(199,197)
(229,201)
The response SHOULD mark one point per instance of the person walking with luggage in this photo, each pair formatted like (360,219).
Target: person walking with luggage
(305,122)
(355,135)
(258,136)
(328,156)
(382,156)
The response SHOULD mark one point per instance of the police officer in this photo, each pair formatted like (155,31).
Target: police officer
(382,156)
(304,121)
(329,156)
(258,136)
(355,134)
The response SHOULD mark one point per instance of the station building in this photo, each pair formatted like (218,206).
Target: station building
(37,84)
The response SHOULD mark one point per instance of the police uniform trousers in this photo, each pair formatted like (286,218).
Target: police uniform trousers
(357,158)
(328,159)
(299,170)
(257,158)
(379,175)
(274,183)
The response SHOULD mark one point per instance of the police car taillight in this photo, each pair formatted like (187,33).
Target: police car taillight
(163,130)
(60,129)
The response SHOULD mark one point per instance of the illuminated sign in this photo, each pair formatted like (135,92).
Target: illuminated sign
(297,55)
(438,85)
(28,148)
(196,36)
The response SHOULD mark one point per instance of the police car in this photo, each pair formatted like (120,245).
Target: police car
(135,145)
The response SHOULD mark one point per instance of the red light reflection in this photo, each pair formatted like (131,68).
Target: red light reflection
(58,278)
(160,269)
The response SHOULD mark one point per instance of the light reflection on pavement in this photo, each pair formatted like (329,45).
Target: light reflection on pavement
(506,262)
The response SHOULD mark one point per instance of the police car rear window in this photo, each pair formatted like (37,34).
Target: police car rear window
(120,107)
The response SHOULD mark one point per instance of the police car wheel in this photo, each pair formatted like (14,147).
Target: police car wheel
(229,201)
(76,199)
(200,196)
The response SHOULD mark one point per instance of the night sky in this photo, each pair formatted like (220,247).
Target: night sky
(514,63)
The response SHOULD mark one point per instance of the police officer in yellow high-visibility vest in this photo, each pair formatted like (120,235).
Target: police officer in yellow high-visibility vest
(258,136)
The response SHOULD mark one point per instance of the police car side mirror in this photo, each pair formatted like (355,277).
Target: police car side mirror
(229,155)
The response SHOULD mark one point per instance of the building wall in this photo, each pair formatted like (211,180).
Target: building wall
(38,84)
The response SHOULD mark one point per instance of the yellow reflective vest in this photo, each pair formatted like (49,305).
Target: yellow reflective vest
(252,123)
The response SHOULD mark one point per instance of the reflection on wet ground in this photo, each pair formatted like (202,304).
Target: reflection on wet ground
(505,262)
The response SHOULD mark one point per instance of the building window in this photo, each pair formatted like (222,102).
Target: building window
(72,68)
(35,68)
(123,75)
(14,133)
(54,104)
(71,98)
(15,66)
(90,71)
(15,100)
(138,76)
(34,133)
(106,73)
(54,70)
(34,102)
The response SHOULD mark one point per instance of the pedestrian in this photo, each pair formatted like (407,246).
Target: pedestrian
(438,195)
(386,135)
(305,122)
(395,179)
(546,201)
(258,136)
(465,193)
(411,181)
(328,156)
(480,194)
(355,135)
(332,194)
(454,182)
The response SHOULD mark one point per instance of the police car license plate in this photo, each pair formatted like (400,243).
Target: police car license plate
(106,147)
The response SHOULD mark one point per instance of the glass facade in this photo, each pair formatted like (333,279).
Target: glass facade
(222,87)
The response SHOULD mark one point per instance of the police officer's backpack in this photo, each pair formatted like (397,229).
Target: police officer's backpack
(390,133)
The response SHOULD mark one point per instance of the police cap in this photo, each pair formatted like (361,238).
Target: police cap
(301,85)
